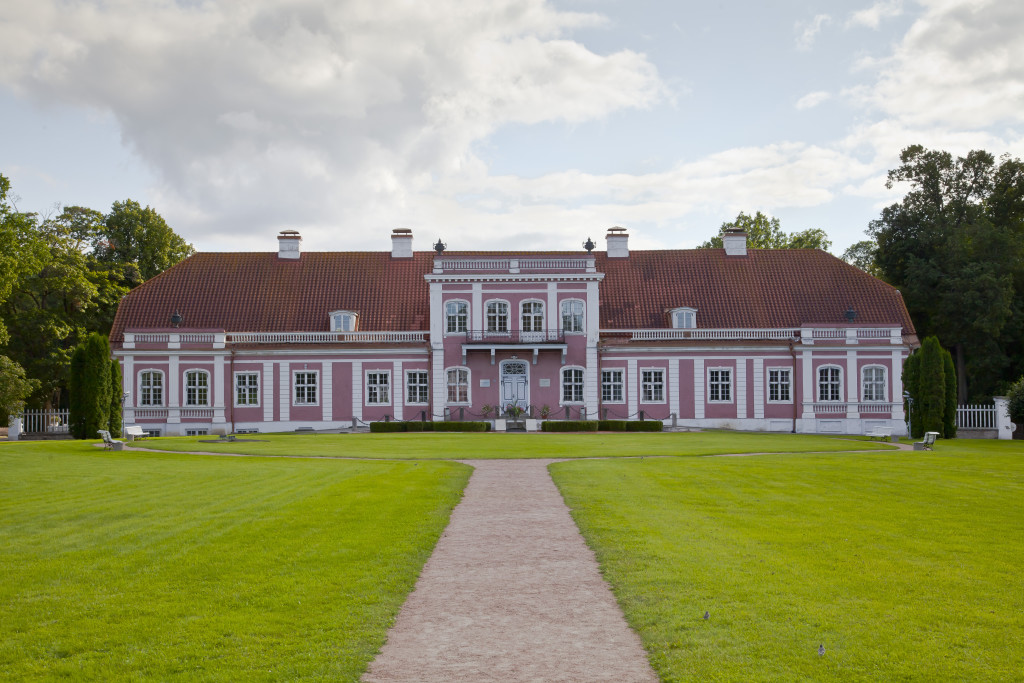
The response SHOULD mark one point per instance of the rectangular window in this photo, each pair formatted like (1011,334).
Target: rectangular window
(458,385)
(197,388)
(247,388)
(196,432)
(533,316)
(378,388)
(611,386)
(778,385)
(720,385)
(874,384)
(572,385)
(456,316)
(572,315)
(829,388)
(416,386)
(305,384)
(652,386)
(151,388)
(497,316)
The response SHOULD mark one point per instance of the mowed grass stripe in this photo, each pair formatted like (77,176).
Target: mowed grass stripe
(153,566)
(905,566)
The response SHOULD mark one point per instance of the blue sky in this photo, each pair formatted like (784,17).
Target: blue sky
(512,123)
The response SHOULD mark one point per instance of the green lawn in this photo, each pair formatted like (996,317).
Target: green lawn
(158,566)
(906,566)
(455,446)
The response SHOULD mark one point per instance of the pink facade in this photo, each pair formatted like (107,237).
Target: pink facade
(694,339)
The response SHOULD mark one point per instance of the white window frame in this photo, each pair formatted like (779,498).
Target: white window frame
(343,317)
(621,383)
(572,317)
(788,384)
(562,401)
(185,387)
(884,383)
(409,384)
(448,317)
(248,387)
(727,384)
(295,386)
(367,386)
(644,384)
(684,318)
(838,384)
(163,389)
(507,316)
(536,316)
(448,386)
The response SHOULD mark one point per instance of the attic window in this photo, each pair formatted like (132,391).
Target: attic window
(343,321)
(684,318)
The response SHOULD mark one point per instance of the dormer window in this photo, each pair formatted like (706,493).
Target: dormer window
(343,321)
(684,318)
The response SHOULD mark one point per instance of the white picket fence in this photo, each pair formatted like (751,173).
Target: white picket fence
(976,417)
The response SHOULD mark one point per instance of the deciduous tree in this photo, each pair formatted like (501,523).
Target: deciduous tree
(764,232)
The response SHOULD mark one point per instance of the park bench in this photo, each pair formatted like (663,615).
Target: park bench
(108,443)
(880,433)
(134,432)
(927,442)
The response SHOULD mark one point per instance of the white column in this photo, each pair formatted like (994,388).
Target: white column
(896,372)
(327,391)
(173,387)
(807,371)
(741,388)
(852,385)
(674,389)
(553,314)
(591,384)
(268,392)
(1003,424)
(759,388)
(218,389)
(438,385)
(398,391)
(477,305)
(128,386)
(632,387)
(357,390)
(437,326)
(698,388)
(285,396)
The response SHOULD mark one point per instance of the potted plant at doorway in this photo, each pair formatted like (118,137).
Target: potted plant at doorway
(514,412)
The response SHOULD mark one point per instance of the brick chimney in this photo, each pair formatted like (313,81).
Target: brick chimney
(401,243)
(289,244)
(735,242)
(618,242)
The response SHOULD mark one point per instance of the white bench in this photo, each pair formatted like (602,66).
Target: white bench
(108,443)
(880,433)
(134,432)
(927,442)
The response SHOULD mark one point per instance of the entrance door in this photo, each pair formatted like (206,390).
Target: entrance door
(515,386)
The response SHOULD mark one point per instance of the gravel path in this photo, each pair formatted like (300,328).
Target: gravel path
(511,593)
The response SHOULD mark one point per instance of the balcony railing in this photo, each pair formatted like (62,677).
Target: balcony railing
(513,336)
(822,407)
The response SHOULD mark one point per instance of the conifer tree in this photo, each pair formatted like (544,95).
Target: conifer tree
(932,386)
(114,418)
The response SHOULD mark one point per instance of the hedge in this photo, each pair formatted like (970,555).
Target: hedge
(461,426)
(569,426)
(629,425)
(419,426)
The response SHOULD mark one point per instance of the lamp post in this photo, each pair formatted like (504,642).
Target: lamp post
(910,409)
(124,399)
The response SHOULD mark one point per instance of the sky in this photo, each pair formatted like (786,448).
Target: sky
(529,124)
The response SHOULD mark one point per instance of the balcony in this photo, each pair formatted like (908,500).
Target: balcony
(493,341)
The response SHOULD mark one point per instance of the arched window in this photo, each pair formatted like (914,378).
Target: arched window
(532,316)
(572,315)
(197,388)
(684,318)
(830,383)
(873,383)
(151,388)
(572,385)
(456,316)
(458,385)
(497,316)
(343,321)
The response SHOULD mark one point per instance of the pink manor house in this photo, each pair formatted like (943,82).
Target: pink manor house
(734,338)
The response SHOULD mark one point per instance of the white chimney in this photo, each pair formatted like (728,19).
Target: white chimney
(401,243)
(618,242)
(735,242)
(288,244)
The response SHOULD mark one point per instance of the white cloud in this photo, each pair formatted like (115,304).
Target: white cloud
(872,17)
(813,99)
(809,30)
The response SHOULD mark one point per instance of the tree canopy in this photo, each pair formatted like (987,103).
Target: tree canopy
(765,232)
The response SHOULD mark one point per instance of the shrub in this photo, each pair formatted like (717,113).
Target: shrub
(89,386)
(949,414)
(932,386)
(645,426)
(386,427)
(1016,396)
(569,426)
(612,425)
(116,392)
(461,426)
(14,389)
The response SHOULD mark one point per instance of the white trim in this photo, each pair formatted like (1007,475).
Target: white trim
(426,373)
(285,388)
(469,386)
(561,385)
(327,390)
(508,317)
(366,385)
(759,388)
(817,383)
(768,384)
(357,391)
(740,387)
(234,389)
(731,386)
(163,388)
(398,390)
(583,315)
(622,385)
(542,314)
(294,386)
(884,382)
(268,392)
(184,386)
(664,385)
(444,315)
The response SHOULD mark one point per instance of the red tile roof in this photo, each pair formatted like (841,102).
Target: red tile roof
(258,292)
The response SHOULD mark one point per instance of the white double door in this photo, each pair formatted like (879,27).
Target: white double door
(515,383)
